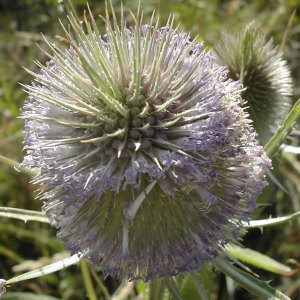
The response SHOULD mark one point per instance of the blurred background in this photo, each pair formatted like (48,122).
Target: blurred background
(25,246)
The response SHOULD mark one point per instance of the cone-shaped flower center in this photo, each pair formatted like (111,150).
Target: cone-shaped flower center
(138,131)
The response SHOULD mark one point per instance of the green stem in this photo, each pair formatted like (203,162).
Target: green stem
(101,285)
(198,285)
(172,288)
(275,142)
(287,30)
(23,214)
(17,166)
(156,289)
(87,280)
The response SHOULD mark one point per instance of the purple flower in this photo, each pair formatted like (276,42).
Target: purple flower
(147,161)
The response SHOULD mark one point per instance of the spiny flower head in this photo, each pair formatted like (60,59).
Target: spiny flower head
(147,162)
(258,64)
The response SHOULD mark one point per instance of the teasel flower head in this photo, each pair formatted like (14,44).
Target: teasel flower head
(147,162)
(259,65)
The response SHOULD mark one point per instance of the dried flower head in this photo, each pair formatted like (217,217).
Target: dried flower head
(258,64)
(147,161)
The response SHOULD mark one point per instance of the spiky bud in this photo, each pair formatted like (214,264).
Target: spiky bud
(258,64)
(147,162)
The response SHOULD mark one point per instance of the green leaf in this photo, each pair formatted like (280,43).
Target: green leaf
(23,214)
(275,142)
(258,260)
(59,265)
(252,284)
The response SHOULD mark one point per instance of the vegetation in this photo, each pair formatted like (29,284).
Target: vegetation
(26,246)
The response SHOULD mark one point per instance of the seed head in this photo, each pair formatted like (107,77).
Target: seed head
(147,161)
(258,64)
